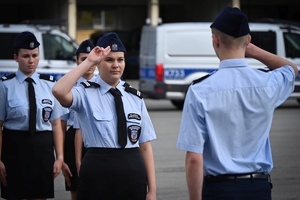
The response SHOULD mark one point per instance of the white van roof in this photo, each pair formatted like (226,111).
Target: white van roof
(29,27)
(206,25)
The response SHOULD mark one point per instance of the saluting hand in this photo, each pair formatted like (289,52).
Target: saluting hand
(97,54)
(3,174)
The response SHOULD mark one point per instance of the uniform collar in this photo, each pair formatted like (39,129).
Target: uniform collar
(120,86)
(21,77)
(104,87)
(233,63)
(81,79)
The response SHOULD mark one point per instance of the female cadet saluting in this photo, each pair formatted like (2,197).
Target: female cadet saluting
(30,117)
(115,166)
(69,169)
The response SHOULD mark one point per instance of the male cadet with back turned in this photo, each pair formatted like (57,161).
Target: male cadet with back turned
(227,116)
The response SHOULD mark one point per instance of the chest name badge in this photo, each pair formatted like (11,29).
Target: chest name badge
(134,133)
(46,101)
(47,111)
(134,116)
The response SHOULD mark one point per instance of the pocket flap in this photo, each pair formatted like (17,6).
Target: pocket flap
(16,103)
(102,116)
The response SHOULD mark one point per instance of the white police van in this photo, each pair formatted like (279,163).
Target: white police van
(56,51)
(173,55)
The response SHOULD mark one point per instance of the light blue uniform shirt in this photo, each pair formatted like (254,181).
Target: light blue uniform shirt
(227,117)
(70,117)
(76,123)
(14,106)
(97,116)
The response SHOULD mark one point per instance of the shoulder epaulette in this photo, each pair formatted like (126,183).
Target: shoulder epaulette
(47,77)
(132,90)
(200,79)
(88,84)
(265,69)
(126,84)
(10,76)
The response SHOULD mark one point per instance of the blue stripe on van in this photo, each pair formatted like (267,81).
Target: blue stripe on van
(55,75)
(177,73)
(147,73)
(171,73)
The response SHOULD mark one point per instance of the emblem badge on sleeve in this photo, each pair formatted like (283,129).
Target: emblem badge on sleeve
(134,116)
(47,111)
(134,133)
(46,101)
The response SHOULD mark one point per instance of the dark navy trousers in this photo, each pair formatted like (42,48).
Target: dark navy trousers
(245,189)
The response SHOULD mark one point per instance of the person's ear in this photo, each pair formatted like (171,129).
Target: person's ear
(249,39)
(216,40)
(16,57)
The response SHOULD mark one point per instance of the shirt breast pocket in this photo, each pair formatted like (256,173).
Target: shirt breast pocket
(17,108)
(103,121)
(102,116)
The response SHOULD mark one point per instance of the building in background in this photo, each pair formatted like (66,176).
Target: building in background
(85,19)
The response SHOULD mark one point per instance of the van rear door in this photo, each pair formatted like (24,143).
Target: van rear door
(292,52)
(148,73)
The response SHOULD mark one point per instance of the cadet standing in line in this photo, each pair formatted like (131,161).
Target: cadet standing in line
(119,162)
(227,116)
(69,168)
(30,117)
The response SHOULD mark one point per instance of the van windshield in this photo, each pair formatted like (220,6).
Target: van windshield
(292,45)
(58,48)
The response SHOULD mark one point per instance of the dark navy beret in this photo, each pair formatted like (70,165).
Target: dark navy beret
(85,47)
(26,40)
(111,39)
(232,21)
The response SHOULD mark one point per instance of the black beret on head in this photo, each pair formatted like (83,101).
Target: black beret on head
(111,39)
(26,40)
(85,47)
(232,21)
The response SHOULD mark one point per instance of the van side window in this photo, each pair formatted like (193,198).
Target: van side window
(264,40)
(292,45)
(57,48)
(7,45)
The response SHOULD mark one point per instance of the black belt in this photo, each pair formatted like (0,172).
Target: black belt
(228,177)
(22,132)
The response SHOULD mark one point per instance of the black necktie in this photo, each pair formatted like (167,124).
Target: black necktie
(32,106)
(122,133)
